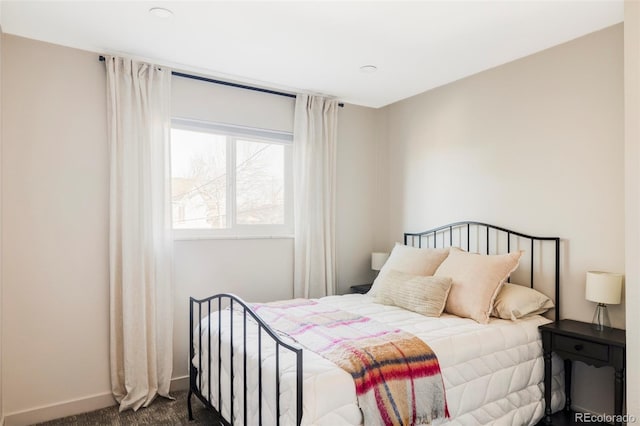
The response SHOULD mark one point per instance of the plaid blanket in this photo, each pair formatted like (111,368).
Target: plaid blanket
(396,375)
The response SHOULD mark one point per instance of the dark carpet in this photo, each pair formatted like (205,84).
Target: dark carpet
(162,412)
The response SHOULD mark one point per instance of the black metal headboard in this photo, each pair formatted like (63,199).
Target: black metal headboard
(484,238)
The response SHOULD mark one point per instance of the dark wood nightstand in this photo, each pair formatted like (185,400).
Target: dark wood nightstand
(362,288)
(578,341)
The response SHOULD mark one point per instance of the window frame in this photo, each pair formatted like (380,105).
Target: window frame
(233,133)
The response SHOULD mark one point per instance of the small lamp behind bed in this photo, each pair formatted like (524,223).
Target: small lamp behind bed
(603,288)
(378,260)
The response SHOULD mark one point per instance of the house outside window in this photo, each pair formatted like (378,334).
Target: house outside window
(230,181)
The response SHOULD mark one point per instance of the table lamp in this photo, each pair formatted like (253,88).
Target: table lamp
(377,260)
(603,288)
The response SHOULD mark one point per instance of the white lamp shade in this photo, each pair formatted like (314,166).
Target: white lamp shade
(377,260)
(604,287)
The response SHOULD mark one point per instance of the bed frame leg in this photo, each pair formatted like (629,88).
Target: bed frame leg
(189,405)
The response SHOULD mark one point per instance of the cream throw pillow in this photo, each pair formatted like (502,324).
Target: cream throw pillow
(477,278)
(411,260)
(421,294)
(516,301)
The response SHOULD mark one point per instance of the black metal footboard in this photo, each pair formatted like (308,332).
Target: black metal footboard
(214,311)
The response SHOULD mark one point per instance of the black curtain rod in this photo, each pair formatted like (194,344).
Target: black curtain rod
(227,83)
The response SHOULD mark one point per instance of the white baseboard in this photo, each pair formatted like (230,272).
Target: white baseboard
(580,409)
(179,384)
(77,406)
(63,409)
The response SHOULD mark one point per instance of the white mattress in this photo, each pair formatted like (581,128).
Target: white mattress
(493,373)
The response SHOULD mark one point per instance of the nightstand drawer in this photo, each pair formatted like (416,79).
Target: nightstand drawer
(581,347)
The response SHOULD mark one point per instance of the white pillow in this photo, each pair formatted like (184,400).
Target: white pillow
(411,260)
(417,293)
(517,301)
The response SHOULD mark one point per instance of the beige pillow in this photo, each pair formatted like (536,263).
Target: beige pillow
(411,260)
(516,301)
(477,278)
(417,293)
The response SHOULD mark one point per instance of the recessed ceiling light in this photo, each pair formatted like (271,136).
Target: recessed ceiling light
(161,12)
(368,69)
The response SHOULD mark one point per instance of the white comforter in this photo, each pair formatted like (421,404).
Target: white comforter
(493,374)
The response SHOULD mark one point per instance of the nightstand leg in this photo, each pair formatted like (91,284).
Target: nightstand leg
(547,387)
(567,384)
(619,392)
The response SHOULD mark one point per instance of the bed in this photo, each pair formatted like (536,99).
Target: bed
(492,369)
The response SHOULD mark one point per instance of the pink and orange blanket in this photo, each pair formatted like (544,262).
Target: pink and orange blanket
(396,375)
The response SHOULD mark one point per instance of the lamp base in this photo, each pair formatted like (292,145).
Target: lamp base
(600,319)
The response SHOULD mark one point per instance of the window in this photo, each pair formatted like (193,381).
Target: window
(229,180)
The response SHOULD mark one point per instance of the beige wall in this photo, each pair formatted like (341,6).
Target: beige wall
(55,204)
(536,145)
(632,181)
(359,217)
(54,207)
(1,381)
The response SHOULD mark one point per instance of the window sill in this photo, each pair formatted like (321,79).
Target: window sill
(232,237)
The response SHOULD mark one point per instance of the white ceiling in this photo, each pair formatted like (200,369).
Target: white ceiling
(319,46)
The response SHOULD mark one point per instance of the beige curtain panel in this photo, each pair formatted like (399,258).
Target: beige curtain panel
(314,179)
(141,309)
